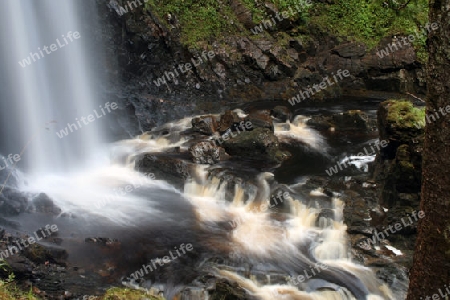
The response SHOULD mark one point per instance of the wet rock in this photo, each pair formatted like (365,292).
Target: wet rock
(398,167)
(227,120)
(174,168)
(205,124)
(391,127)
(226,290)
(43,204)
(12,202)
(325,218)
(207,153)
(282,113)
(102,241)
(279,199)
(356,211)
(39,254)
(20,266)
(320,122)
(347,121)
(261,119)
(231,179)
(259,144)
(352,120)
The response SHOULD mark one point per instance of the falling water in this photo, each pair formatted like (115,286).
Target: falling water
(58,86)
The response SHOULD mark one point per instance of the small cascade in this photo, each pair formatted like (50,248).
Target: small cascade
(298,130)
(290,246)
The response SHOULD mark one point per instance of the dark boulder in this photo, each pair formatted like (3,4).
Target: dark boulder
(282,113)
(227,120)
(352,120)
(205,124)
(261,118)
(259,144)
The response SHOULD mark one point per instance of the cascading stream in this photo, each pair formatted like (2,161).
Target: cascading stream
(59,88)
(290,247)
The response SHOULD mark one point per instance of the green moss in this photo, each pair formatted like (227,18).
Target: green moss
(8,287)
(128,294)
(368,21)
(199,21)
(12,292)
(404,114)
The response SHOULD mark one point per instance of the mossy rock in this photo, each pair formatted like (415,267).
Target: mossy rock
(399,122)
(403,114)
(128,294)
(404,172)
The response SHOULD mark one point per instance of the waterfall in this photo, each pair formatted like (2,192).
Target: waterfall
(49,83)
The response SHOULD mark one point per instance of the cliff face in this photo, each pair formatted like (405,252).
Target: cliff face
(155,72)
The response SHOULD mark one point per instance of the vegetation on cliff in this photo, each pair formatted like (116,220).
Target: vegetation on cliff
(364,21)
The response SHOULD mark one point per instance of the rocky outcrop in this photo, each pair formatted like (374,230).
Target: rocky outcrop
(243,68)
(398,167)
(347,121)
(259,144)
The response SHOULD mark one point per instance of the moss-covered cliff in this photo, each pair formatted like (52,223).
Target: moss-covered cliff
(261,50)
